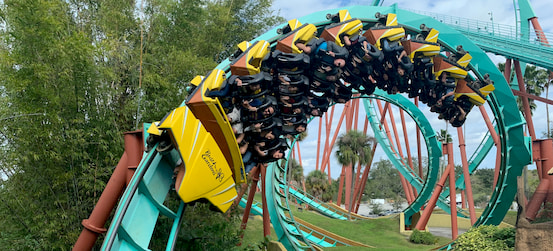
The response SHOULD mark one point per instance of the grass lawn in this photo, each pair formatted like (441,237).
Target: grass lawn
(383,234)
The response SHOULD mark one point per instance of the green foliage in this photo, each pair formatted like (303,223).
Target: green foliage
(421,237)
(482,184)
(316,184)
(376,208)
(71,85)
(203,229)
(486,237)
(354,147)
(295,170)
(384,181)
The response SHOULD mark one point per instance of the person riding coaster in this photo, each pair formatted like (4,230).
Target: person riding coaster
(255,114)
(359,66)
(292,63)
(422,50)
(290,84)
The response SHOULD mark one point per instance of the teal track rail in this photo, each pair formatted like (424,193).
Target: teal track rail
(309,233)
(515,151)
(501,39)
(314,203)
(286,229)
(424,187)
(142,203)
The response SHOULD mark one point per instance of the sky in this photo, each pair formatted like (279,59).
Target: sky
(501,11)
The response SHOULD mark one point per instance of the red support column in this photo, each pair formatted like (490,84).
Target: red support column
(542,150)
(94,225)
(398,144)
(266,218)
(452,192)
(340,188)
(419,148)
(525,103)
(539,31)
(254,173)
(328,127)
(356,116)
(387,129)
(364,179)
(348,177)
(349,169)
(319,142)
(495,138)
(326,158)
(508,68)
(406,137)
(423,220)
(466,176)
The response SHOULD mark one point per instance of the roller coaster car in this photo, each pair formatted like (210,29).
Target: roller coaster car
(263,79)
(295,32)
(423,48)
(210,113)
(477,96)
(391,31)
(345,27)
(455,69)
(205,174)
(292,63)
(249,61)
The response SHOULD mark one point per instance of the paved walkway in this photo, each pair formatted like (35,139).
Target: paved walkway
(443,231)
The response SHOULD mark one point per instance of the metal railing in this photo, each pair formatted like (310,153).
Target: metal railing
(489,28)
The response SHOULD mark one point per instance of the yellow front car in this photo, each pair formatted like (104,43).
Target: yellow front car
(211,114)
(205,173)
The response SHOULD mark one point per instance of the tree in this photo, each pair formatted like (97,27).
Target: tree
(71,85)
(295,170)
(354,147)
(383,181)
(317,185)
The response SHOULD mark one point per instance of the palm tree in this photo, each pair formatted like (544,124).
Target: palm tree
(354,147)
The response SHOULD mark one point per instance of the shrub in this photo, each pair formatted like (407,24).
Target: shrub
(420,237)
(487,238)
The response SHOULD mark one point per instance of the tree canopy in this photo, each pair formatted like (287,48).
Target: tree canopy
(77,74)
